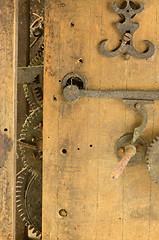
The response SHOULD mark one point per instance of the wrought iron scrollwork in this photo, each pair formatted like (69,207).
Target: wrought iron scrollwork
(127,29)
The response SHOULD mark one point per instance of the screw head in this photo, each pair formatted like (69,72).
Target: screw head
(127,37)
(137,105)
(126,56)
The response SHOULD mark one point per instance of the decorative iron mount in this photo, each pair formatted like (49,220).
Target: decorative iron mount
(127,30)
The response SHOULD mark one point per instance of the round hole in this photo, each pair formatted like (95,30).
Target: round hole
(54,98)
(80,60)
(91,145)
(5,129)
(59,80)
(128,11)
(78,148)
(64,151)
(72,25)
(62,5)
(63,213)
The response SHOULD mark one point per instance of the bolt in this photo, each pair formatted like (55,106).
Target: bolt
(127,37)
(121,151)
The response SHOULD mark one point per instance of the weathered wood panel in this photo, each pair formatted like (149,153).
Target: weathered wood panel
(79,181)
(8,63)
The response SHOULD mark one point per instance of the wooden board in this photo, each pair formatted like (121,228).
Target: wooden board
(8,60)
(79,181)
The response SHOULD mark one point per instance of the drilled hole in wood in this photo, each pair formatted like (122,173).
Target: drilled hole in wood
(80,60)
(59,80)
(63,213)
(54,98)
(78,148)
(91,145)
(64,151)
(72,25)
(5,129)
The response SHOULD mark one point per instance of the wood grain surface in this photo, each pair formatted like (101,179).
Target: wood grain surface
(8,101)
(79,181)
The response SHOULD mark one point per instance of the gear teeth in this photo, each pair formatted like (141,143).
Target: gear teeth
(30,227)
(20,210)
(34,100)
(20,201)
(30,127)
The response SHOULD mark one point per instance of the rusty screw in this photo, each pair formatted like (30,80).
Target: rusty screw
(127,37)
(129,153)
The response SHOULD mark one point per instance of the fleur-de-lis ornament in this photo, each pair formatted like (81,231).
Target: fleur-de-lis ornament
(127,29)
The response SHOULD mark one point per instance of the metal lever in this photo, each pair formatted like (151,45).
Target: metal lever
(129,153)
(72,93)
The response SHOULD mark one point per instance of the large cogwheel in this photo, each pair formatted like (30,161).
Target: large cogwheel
(153,160)
(31,141)
(29,201)
(34,91)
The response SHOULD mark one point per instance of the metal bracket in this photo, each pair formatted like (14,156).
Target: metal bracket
(127,29)
(139,106)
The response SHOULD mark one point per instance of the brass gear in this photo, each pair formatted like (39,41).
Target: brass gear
(153,160)
(30,141)
(34,91)
(29,201)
